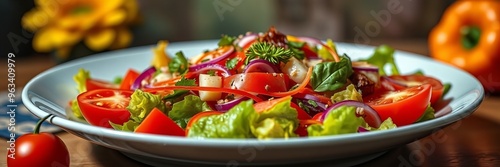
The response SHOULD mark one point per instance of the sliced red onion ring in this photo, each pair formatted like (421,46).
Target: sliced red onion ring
(395,81)
(213,61)
(143,76)
(260,65)
(311,41)
(243,41)
(366,111)
(361,130)
(206,67)
(364,66)
(228,105)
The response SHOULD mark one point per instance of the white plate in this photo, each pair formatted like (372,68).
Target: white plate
(50,91)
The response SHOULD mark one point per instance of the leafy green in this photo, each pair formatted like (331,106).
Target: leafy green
(447,87)
(118,80)
(428,114)
(330,76)
(178,64)
(269,52)
(183,110)
(226,40)
(274,128)
(339,121)
(296,48)
(80,78)
(76,109)
(280,121)
(350,93)
(231,63)
(242,121)
(383,55)
(235,123)
(179,93)
(128,126)
(324,54)
(387,124)
(141,103)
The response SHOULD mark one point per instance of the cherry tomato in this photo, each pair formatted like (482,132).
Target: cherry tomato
(404,107)
(103,105)
(93,84)
(257,82)
(196,117)
(129,79)
(416,79)
(38,149)
(158,123)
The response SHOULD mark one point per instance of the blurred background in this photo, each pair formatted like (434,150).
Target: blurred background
(360,21)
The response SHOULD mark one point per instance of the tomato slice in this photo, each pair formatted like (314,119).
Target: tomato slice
(93,84)
(404,107)
(100,106)
(196,117)
(129,79)
(417,79)
(257,82)
(158,123)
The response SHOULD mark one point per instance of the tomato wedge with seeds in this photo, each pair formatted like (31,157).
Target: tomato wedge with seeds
(417,79)
(257,82)
(404,107)
(101,106)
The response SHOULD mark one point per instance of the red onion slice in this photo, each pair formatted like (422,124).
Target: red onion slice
(143,76)
(245,40)
(364,111)
(311,41)
(228,105)
(364,66)
(215,60)
(260,65)
(206,67)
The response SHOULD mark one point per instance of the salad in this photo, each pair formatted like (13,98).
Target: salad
(259,85)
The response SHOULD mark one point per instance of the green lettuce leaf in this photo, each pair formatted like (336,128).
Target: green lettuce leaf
(179,93)
(428,114)
(383,55)
(330,76)
(274,128)
(279,121)
(128,126)
(339,121)
(386,124)
(80,78)
(141,103)
(350,93)
(235,123)
(183,110)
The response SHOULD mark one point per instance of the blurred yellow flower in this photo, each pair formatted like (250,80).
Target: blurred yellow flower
(99,24)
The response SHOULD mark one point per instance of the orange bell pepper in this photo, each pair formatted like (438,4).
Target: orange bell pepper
(468,36)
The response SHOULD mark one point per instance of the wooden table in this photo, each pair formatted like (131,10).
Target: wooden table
(473,141)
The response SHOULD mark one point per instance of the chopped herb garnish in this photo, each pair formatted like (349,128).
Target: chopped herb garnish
(269,52)
(226,40)
(231,63)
